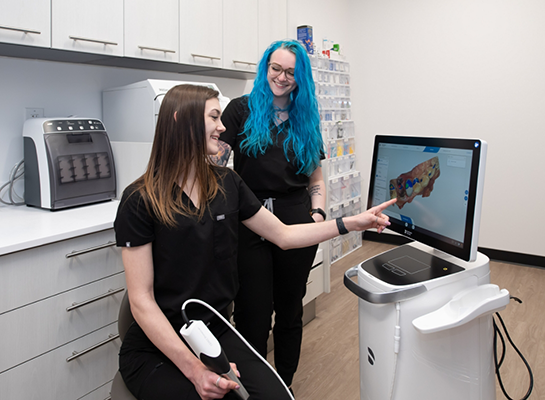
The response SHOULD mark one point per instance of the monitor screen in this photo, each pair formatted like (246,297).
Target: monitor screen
(438,183)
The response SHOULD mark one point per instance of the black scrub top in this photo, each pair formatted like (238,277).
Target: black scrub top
(270,174)
(197,259)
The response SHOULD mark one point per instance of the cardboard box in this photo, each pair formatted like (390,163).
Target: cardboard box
(304,35)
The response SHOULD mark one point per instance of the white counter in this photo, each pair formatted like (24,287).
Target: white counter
(25,227)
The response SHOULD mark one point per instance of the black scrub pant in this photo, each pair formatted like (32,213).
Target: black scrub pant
(272,279)
(150,375)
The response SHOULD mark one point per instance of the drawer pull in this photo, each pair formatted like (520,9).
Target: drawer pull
(244,62)
(90,249)
(203,56)
(110,292)
(92,40)
(76,354)
(10,28)
(156,49)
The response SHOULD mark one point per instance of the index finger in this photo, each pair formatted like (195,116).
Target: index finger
(385,205)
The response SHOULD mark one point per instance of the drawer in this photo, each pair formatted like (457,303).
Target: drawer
(34,274)
(39,327)
(315,284)
(51,377)
(100,393)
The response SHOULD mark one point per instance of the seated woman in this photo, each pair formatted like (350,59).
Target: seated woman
(177,226)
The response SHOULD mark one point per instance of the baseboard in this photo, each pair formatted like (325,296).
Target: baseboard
(493,254)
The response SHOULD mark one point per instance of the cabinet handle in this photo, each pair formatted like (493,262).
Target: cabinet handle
(203,56)
(76,354)
(156,49)
(10,28)
(244,62)
(92,40)
(90,249)
(110,292)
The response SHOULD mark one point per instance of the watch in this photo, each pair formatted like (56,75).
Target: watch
(319,211)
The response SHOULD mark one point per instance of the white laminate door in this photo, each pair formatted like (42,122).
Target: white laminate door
(25,22)
(91,26)
(273,23)
(39,327)
(152,30)
(201,40)
(240,35)
(34,274)
(58,375)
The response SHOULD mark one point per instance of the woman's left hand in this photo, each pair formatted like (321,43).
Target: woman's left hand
(373,218)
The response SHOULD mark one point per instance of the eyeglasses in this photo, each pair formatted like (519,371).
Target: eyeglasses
(277,70)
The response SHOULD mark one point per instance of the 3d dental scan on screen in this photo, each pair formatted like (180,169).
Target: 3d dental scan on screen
(438,183)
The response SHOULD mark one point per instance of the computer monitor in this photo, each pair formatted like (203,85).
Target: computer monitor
(439,185)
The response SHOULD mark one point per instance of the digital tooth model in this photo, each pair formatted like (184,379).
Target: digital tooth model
(418,181)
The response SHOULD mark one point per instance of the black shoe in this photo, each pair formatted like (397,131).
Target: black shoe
(291,391)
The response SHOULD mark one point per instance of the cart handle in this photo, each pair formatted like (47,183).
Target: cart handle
(382,297)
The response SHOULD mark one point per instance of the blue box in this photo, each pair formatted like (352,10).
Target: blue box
(304,35)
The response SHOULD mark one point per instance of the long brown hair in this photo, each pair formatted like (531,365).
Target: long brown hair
(179,145)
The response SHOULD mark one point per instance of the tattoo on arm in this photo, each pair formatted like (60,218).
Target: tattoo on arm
(314,190)
(223,154)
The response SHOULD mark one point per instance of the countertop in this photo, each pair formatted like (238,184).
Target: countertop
(23,227)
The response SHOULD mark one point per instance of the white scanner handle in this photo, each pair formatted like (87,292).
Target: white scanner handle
(464,307)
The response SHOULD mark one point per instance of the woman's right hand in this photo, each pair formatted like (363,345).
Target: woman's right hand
(210,385)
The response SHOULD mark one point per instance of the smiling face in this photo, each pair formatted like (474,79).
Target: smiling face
(280,73)
(213,125)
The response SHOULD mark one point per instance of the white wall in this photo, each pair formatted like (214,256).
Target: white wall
(461,68)
(64,89)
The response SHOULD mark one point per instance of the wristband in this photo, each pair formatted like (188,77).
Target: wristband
(340,226)
(319,211)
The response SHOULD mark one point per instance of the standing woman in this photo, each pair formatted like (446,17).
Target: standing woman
(275,135)
(177,226)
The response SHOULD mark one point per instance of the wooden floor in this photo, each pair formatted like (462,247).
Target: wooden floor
(329,367)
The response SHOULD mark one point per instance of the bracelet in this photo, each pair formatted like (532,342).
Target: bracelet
(340,226)
(319,211)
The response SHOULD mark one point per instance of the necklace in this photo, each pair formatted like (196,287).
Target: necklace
(279,110)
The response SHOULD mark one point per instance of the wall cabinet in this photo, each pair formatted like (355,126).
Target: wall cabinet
(92,26)
(226,37)
(151,30)
(59,308)
(272,23)
(201,27)
(240,34)
(26,22)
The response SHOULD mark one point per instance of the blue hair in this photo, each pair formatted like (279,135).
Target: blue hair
(304,136)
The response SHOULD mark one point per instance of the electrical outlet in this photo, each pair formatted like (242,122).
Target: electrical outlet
(33,112)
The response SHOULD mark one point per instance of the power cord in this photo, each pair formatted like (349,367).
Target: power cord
(16,173)
(187,321)
(497,333)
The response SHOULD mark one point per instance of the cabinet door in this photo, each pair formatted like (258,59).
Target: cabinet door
(34,274)
(57,375)
(151,30)
(240,35)
(201,32)
(92,26)
(273,23)
(26,22)
(39,327)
